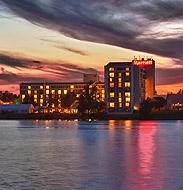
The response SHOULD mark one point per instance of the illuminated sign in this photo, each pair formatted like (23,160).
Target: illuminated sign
(142,62)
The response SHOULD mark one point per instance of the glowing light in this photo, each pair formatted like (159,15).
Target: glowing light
(65,91)
(112,94)
(142,62)
(111,74)
(111,69)
(59,91)
(41,87)
(127,84)
(111,104)
(29,87)
(111,84)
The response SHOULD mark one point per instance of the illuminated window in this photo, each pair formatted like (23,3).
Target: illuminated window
(127,94)
(119,84)
(127,104)
(120,99)
(65,91)
(111,69)
(59,91)
(103,91)
(127,84)
(35,100)
(119,74)
(127,99)
(41,87)
(103,95)
(127,74)
(41,104)
(35,91)
(127,68)
(23,96)
(29,87)
(111,94)
(53,91)
(110,79)
(119,79)
(77,95)
(120,94)
(111,104)
(72,86)
(120,105)
(41,100)
(29,92)
(47,91)
(111,74)
(53,105)
(111,84)
(35,96)
(135,107)
(47,87)
(41,96)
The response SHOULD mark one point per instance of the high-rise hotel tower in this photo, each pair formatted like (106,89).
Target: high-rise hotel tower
(127,84)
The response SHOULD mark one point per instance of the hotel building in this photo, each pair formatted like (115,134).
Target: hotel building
(127,84)
(42,92)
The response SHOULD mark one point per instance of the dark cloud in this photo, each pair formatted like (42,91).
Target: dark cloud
(122,23)
(17,62)
(169,76)
(61,45)
(51,71)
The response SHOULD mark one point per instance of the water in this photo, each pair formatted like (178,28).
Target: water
(106,155)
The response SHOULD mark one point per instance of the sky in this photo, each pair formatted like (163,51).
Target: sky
(59,40)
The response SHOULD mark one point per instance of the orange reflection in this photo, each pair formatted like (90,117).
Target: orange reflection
(128,124)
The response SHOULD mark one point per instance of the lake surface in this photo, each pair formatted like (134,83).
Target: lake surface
(91,155)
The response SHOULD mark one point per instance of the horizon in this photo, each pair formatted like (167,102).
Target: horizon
(58,41)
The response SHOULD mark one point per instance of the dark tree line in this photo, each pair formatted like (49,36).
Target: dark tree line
(150,103)
(9,97)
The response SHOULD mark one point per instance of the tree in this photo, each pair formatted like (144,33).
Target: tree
(68,99)
(90,100)
(8,97)
(146,107)
(159,102)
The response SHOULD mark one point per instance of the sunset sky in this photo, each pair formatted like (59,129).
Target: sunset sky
(59,40)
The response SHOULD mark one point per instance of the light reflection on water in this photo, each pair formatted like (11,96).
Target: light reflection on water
(60,154)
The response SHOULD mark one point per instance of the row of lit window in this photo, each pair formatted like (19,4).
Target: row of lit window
(127,94)
(112,104)
(47,87)
(127,84)
(119,74)
(112,69)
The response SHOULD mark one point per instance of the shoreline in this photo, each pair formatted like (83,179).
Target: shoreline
(161,115)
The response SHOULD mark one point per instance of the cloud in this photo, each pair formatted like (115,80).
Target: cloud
(48,71)
(61,45)
(18,62)
(169,76)
(124,23)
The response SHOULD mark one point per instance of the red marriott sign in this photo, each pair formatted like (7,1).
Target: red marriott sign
(142,62)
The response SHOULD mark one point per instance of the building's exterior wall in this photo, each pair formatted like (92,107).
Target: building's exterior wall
(118,88)
(137,83)
(42,92)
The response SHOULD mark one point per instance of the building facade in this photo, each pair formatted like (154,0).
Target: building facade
(42,93)
(127,84)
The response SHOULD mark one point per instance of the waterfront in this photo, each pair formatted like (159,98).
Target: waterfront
(91,155)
